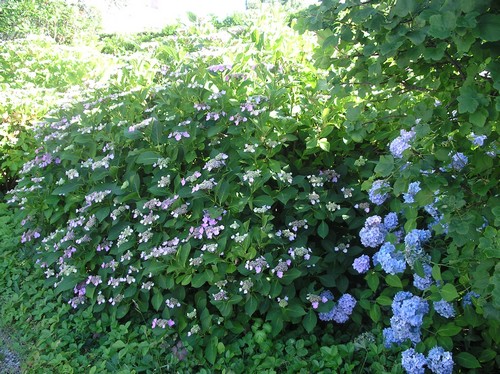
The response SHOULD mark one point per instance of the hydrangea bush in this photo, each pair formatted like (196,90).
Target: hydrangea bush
(247,185)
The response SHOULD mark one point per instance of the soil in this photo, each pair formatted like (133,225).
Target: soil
(10,362)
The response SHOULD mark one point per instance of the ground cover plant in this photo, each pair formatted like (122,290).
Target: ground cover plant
(248,210)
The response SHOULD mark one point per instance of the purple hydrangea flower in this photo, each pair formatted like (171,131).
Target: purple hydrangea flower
(391,221)
(375,196)
(444,309)
(373,233)
(361,264)
(440,361)
(413,362)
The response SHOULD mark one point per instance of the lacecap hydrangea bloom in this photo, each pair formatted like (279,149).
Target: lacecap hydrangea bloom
(375,194)
(440,361)
(444,309)
(413,362)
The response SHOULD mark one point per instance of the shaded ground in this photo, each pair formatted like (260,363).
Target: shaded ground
(10,362)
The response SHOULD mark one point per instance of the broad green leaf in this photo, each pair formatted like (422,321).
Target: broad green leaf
(393,281)
(467,360)
(251,305)
(211,349)
(157,300)
(309,321)
(148,158)
(373,281)
(449,292)
(375,313)
(323,230)
(489,27)
(385,166)
(449,329)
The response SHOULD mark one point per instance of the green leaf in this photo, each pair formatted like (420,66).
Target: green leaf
(393,281)
(375,313)
(384,300)
(466,360)
(157,300)
(467,101)
(442,24)
(211,349)
(449,329)
(295,310)
(66,188)
(489,27)
(449,292)
(148,158)
(436,273)
(324,144)
(199,280)
(373,281)
(404,7)
(309,321)
(323,229)
(290,275)
(251,305)
(385,166)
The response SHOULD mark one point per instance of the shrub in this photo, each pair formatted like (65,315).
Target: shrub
(245,187)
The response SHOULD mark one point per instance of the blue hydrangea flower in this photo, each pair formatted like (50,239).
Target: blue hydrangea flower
(413,362)
(401,143)
(373,233)
(413,189)
(444,309)
(341,311)
(361,264)
(392,261)
(458,161)
(440,361)
(389,338)
(423,283)
(467,299)
(391,221)
(477,139)
(375,196)
(414,241)
(409,311)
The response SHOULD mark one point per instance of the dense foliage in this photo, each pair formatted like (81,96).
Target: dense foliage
(245,210)
(64,21)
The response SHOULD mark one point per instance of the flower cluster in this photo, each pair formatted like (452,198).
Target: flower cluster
(391,260)
(361,264)
(409,311)
(401,143)
(438,361)
(377,193)
(373,233)
(341,311)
